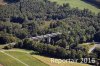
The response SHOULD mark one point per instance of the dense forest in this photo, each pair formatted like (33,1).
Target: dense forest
(21,19)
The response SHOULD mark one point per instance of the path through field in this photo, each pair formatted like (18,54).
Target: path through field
(13,57)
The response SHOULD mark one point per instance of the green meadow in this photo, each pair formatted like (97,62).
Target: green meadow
(26,58)
(31,60)
(8,61)
(78,3)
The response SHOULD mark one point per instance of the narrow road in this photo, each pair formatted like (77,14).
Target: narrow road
(97,45)
(91,49)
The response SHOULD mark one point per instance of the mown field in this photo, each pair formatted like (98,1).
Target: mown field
(48,61)
(8,61)
(78,3)
(24,57)
(31,60)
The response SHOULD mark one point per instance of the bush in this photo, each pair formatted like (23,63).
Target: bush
(7,47)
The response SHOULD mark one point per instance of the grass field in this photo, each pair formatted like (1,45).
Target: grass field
(26,58)
(78,3)
(31,60)
(47,60)
(8,61)
(87,46)
(22,56)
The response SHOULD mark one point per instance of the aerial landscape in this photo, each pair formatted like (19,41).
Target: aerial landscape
(49,32)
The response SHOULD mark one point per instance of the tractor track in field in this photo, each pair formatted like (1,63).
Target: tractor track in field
(13,58)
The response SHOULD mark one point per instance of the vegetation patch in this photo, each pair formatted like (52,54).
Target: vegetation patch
(37,60)
(87,46)
(29,19)
(78,3)
(47,60)
(8,61)
(26,58)
(93,2)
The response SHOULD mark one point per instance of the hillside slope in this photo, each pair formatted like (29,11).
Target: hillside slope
(93,2)
(78,3)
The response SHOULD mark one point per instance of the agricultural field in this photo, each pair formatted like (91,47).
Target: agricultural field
(47,60)
(78,3)
(21,59)
(8,61)
(31,60)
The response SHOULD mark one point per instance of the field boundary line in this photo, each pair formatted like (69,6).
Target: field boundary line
(14,58)
(17,51)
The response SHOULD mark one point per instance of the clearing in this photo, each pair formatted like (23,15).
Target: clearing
(17,58)
(78,3)
(31,60)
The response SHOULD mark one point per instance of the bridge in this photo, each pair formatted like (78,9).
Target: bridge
(46,36)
